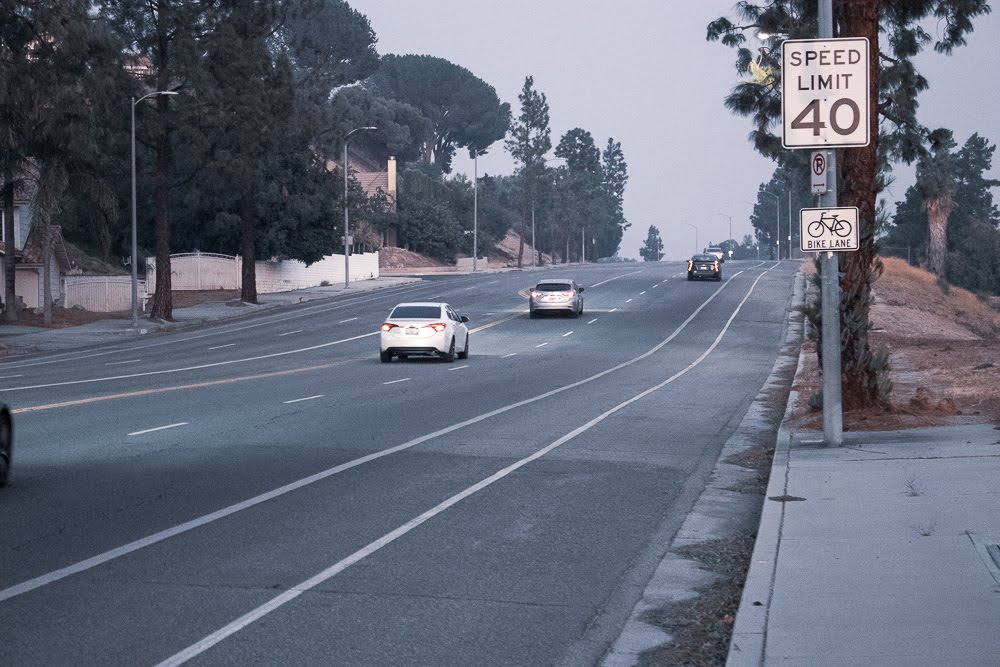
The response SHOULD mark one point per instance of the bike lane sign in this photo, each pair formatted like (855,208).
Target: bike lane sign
(828,229)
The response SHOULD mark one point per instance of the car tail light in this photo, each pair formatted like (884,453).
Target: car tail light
(388,326)
(437,326)
(570,294)
(535,295)
(715,265)
(690,265)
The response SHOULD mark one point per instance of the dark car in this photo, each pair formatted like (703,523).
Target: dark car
(704,266)
(6,443)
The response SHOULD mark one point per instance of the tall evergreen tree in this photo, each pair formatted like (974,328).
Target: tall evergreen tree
(164,43)
(936,182)
(652,249)
(52,92)
(464,110)
(530,139)
(893,86)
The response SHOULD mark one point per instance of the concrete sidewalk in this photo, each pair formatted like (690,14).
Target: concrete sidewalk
(881,552)
(18,340)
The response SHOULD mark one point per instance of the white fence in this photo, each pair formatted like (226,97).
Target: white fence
(208,271)
(101,294)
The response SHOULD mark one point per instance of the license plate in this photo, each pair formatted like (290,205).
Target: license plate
(412,331)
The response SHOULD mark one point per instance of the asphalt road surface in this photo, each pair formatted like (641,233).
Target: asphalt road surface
(267,492)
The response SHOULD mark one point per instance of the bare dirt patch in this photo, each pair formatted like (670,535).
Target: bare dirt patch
(701,627)
(400,258)
(944,356)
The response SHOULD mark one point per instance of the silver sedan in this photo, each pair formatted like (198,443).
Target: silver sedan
(555,295)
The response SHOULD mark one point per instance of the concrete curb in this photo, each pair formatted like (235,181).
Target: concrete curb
(748,641)
(717,509)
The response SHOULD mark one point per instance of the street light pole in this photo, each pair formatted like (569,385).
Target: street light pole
(695,234)
(777,222)
(347,229)
(475,208)
(135,249)
(726,215)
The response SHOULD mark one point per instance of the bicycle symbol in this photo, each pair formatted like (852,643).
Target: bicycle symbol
(829,223)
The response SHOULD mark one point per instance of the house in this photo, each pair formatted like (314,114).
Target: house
(372,182)
(12,248)
(29,281)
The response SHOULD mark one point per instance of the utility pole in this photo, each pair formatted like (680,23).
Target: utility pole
(833,417)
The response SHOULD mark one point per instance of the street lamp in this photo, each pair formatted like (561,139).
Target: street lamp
(347,231)
(475,207)
(726,215)
(135,251)
(777,221)
(695,234)
(788,189)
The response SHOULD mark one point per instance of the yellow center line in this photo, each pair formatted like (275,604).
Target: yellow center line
(159,390)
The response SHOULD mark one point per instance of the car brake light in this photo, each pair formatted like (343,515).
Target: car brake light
(535,294)
(388,326)
(690,265)
(437,326)
(569,294)
(715,265)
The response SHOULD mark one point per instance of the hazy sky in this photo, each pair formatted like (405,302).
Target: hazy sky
(642,72)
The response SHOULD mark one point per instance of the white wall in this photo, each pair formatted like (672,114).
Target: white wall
(205,271)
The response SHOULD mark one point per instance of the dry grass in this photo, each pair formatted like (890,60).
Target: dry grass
(944,353)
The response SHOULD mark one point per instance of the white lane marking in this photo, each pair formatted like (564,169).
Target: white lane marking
(349,319)
(568,333)
(457,368)
(508,355)
(612,310)
(642,292)
(656,285)
(289,333)
(628,300)
(196,368)
(120,363)
(219,347)
(592,321)
(158,428)
(197,522)
(9,377)
(299,400)
(196,649)
(542,345)
(605,282)
(396,381)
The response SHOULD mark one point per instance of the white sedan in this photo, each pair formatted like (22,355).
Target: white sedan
(424,329)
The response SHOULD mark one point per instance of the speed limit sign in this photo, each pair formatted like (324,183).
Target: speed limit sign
(824,93)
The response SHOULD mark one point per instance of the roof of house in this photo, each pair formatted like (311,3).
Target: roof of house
(372,181)
(33,251)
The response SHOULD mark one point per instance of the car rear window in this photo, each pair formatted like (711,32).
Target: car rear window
(415,312)
(553,287)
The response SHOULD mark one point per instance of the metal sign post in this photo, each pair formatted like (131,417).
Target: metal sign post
(833,408)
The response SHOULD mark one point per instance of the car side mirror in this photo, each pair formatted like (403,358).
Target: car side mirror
(464,318)
(581,290)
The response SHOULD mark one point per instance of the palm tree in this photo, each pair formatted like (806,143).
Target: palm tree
(937,186)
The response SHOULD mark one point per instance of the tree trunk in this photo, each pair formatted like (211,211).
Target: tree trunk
(520,247)
(938,212)
(163,304)
(860,377)
(248,214)
(9,288)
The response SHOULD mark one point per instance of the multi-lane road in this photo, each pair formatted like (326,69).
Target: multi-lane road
(267,492)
